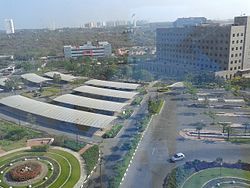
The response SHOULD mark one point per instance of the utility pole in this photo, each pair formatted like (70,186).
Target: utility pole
(101,168)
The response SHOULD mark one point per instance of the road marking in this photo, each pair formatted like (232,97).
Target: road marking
(153,151)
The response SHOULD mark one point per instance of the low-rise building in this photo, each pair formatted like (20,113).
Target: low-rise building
(102,49)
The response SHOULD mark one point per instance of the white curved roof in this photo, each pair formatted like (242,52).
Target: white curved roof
(90,103)
(106,92)
(110,84)
(64,77)
(34,78)
(57,112)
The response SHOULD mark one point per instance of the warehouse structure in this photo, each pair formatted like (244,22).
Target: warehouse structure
(89,104)
(34,78)
(105,94)
(64,77)
(112,85)
(62,118)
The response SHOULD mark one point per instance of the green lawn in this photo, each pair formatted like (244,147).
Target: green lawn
(13,136)
(197,180)
(70,168)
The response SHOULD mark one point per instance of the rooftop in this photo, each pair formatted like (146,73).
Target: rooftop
(110,84)
(64,77)
(34,78)
(90,103)
(57,112)
(106,92)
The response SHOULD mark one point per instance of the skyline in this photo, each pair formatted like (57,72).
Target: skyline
(30,14)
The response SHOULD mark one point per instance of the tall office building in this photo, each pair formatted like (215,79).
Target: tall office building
(221,49)
(9,26)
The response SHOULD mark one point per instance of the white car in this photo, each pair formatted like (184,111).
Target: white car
(178,157)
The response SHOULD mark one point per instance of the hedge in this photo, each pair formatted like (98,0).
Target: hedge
(91,158)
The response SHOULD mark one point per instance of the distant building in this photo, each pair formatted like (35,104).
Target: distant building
(220,49)
(9,26)
(191,21)
(102,49)
(90,25)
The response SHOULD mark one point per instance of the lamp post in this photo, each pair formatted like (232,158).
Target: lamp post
(101,158)
(220,168)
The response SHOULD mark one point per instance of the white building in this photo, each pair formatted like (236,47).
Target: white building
(102,49)
(9,26)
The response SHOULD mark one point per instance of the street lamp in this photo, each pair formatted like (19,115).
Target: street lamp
(220,168)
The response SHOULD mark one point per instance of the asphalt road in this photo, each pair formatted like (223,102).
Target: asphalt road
(150,165)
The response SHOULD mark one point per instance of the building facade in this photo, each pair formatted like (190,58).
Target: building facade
(9,26)
(102,49)
(222,49)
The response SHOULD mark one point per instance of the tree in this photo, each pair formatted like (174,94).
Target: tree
(229,131)
(212,115)
(246,124)
(11,84)
(199,127)
(57,78)
(224,125)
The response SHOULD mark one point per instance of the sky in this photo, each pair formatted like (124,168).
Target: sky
(28,14)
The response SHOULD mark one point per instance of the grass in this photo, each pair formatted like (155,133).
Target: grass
(69,163)
(13,136)
(137,100)
(50,91)
(240,141)
(112,132)
(155,106)
(66,161)
(202,177)
(91,158)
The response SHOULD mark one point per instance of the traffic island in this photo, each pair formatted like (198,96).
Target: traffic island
(209,174)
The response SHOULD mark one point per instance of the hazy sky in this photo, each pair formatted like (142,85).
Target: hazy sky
(68,13)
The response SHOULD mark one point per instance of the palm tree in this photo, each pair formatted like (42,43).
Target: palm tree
(229,131)
(224,125)
(199,127)
(246,124)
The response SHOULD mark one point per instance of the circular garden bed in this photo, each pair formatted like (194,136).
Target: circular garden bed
(54,168)
(209,174)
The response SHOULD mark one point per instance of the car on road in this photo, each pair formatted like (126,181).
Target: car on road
(177,157)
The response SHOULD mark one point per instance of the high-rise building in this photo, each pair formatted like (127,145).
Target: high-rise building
(191,21)
(221,49)
(9,26)
(102,49)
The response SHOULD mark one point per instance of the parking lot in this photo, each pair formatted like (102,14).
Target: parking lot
(151,162)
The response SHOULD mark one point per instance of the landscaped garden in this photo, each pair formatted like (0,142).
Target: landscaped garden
(13,136)
(208,174)
(52,168)
(91,158)
(112,132)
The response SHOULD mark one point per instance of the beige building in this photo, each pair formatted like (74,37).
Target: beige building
(222,49)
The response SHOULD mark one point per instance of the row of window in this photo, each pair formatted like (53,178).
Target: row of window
(173,46)
(236,55)
(235,68)
(237,41)
(236,48)
(236,61)
(238,34)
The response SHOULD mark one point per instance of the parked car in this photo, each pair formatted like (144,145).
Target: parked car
(177,157)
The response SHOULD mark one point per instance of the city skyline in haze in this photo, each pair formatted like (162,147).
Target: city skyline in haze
(30,14)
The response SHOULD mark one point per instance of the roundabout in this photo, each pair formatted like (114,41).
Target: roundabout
(53,168)
(218,177)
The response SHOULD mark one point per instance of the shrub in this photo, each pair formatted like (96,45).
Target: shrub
(43,148)
(91,158)
(112,132)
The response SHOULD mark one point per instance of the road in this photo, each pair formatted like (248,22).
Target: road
(150,165)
